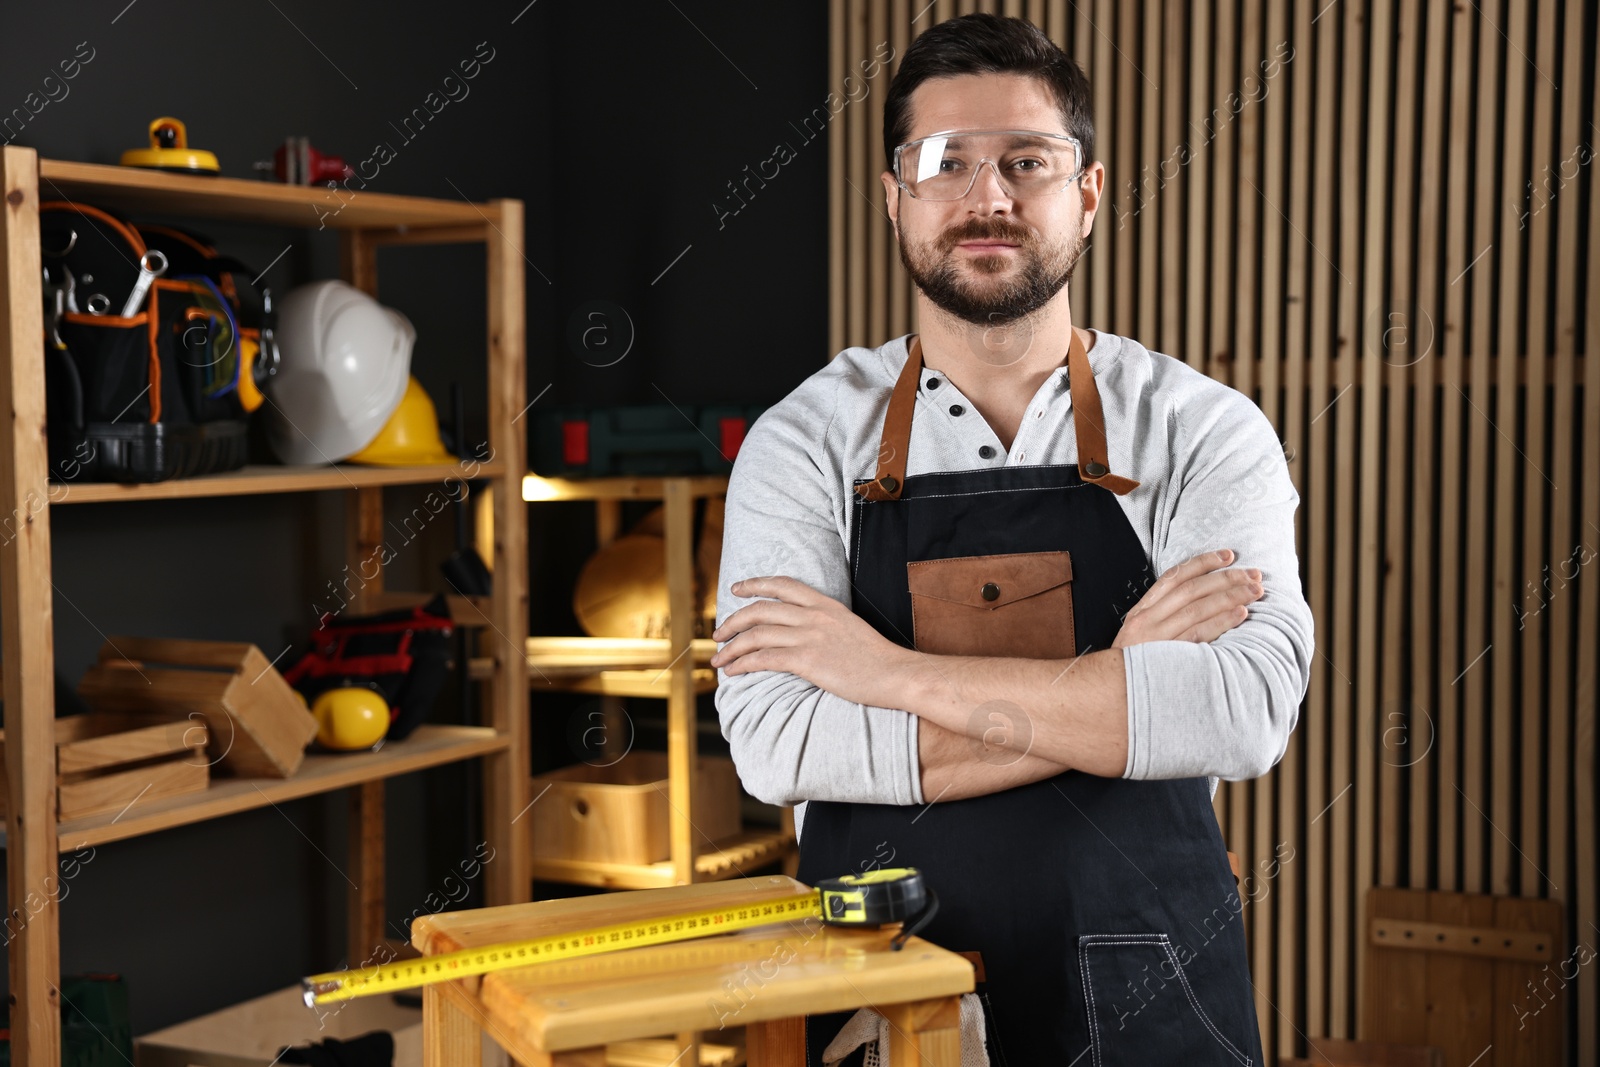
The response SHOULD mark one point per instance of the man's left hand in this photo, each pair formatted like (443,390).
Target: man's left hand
(802,632)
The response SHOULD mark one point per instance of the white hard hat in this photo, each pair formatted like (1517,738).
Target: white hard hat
(346,360)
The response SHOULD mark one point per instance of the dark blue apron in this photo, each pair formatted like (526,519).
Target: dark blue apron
(1104,909)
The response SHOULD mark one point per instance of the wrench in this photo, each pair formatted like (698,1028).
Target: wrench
(68,288)
(152,265)
(56,301)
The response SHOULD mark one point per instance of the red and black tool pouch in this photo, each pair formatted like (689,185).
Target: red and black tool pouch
(405,655)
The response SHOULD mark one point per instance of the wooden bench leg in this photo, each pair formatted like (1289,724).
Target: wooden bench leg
(924,1032)
(450,1037)
(776,1043)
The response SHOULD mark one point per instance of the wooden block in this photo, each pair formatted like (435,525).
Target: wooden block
(275,727)
(258,725)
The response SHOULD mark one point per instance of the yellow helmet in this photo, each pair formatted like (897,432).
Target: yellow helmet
(352,718)
(411,436)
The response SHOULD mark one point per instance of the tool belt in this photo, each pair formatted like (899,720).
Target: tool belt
(146,386)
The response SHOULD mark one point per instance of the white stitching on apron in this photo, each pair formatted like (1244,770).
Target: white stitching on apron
(1085,941)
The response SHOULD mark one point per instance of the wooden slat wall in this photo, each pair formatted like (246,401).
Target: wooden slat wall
(1389,243)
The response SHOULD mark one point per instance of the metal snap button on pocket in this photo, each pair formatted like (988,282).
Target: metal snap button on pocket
(990,591)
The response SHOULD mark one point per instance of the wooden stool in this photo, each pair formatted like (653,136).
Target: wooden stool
(765,979)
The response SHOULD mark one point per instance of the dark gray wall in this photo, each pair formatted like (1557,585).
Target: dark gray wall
(620,125)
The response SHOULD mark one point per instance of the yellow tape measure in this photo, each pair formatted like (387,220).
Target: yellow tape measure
(882,896)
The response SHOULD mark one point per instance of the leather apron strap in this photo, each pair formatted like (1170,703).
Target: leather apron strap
(1094,459)
(897,431)
(1094,464)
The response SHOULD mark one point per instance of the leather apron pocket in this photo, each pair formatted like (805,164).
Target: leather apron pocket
(1017,604)
(1142,1008)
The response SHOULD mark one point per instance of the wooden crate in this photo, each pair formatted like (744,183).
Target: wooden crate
(107,761)
(620,813)
(259,726)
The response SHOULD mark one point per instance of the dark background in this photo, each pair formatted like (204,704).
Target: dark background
(618,125)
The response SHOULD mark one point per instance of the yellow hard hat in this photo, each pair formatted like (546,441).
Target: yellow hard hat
(411,436)
(352,718)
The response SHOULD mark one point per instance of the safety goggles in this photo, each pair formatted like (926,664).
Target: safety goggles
(1027,163)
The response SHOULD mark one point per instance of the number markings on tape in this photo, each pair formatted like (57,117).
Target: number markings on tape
(408,974)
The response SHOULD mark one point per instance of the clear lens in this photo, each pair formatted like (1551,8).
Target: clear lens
(1027,163)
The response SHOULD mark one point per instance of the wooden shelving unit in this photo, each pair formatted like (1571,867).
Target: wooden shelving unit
(675,669)
(366,221)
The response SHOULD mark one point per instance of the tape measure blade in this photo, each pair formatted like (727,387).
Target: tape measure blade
(468,962)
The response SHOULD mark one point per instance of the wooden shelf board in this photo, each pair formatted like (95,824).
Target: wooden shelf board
(732,859)
(429,746)
(655,682)
(538,488)
(135,190)
(266,478)
(586,656)
(598,676)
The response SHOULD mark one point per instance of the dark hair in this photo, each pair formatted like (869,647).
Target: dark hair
(988,44)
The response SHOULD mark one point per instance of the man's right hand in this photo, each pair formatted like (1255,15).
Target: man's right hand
(1195,601)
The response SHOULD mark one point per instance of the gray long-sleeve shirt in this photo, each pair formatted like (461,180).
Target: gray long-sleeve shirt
(1212,475)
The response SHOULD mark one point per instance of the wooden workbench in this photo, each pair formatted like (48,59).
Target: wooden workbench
(765,979)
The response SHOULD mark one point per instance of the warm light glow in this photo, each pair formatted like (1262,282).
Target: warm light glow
(536,488)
